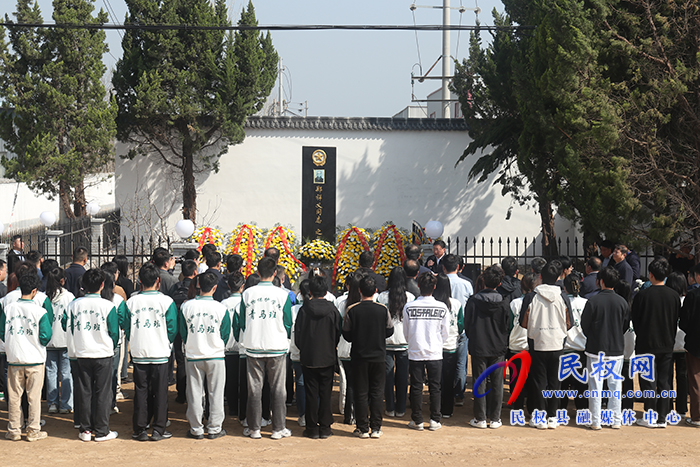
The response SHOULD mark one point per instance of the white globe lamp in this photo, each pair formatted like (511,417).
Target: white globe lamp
(47,218)
(92,208)
(434,229)
(184,228)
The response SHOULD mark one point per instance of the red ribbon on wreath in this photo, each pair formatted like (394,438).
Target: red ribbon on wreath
(382,239)
(341,247)
(206,235)
(251,247)
(285,243)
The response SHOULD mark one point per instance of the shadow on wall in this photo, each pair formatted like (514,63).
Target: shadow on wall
(406,184)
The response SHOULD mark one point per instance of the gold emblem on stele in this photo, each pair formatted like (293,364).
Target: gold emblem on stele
(319,158)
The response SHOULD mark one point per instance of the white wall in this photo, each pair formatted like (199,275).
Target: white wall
(382,175)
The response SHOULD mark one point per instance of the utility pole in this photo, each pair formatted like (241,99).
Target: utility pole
(445,59)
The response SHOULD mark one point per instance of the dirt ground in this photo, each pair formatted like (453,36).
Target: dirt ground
(455,444)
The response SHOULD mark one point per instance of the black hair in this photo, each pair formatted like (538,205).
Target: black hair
(266,267)
(695,269)
(412,251)
(236,280)
(509,265)
(368,286)
(53,282)
(678,282)
(80,254)
(234,262)
(572,285)
(551,272)
(191,254)
(16,237)
(28,283)
(450,263)
(440,243)
(305,290)
(252,281)
(92,280)
(623,248)
(318,287)
(48,265)
(122,263)
(609,276)
(111,268)
(24,267)
(276,281)
(443,290)
(352,285)
(34,257)
(426,283)
(206,282)
(213,259)
(2,263)
(493,277)
(624,290)
(565,262)
(188,267)
(594,263)
(366,259)
(537,264)
(273,253)
(161,257)
(148,275)
(207,249)
(108,290)
(411,267)
(529,282)
(397,292)
(659,268)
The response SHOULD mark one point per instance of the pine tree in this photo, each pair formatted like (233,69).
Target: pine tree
(60,127)
(184,95)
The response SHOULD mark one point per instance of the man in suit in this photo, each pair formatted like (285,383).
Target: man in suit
(16,254)
(589,286)
(619,255)
(438,254)
(366,261)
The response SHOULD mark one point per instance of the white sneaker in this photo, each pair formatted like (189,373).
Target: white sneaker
(244,422)
(264,422)
(477,423)
(390,413)
(644,423)
(302,420)
(251,434)
(434,426)
(376,434)
(415,426)
(495,424)
(120,396)
(114,410)
(552,423)
(363,435)
(284,433)
(661,425)
(85,436)
(539,426)
(53,408)
(109,436)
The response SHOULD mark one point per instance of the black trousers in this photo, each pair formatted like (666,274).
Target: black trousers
(663,370)
(570,382)
(368,390)
(95,385)
(524,395)
(449,372)
(681,382)
(318,383)
(417,370)
(180,372)
(150,396)
(488,406)
(544,372)
(231,391)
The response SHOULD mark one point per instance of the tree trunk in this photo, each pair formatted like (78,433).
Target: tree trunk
(549,236)
(80,202)
(189,191)
(64,196)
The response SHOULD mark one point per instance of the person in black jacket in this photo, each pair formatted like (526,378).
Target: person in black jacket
(486,321)
(179,294)
(366,260)
(690,323)
(604,321)
(316,334)
(510,284)
(655,319)
(367,324)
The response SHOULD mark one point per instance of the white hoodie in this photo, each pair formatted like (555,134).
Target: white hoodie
(426,325)
(547,319)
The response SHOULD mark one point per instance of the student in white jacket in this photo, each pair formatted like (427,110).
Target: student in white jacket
(94,325)
(426,324)
(205,326)
(150,323)
(26,329)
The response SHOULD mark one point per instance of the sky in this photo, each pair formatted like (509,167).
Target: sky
(340,73)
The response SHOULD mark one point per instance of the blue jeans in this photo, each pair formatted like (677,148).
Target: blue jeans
(396,377)
(461,376)
(58,372)
(301,392)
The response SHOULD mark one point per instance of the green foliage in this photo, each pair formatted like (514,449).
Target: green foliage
(60,126)
(184,95)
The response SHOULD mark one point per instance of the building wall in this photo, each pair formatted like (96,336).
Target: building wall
(382,176)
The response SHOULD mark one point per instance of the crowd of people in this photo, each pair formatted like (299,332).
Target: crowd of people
(248,344)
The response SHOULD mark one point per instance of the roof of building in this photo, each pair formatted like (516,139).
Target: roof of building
(356,123)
